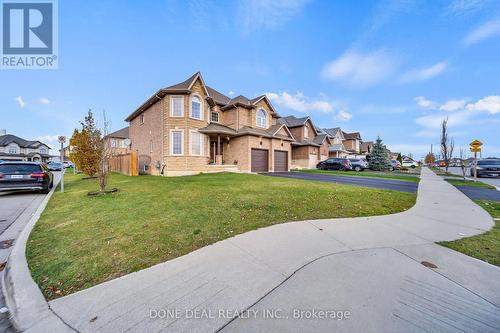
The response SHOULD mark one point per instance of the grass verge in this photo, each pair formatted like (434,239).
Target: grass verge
(486,246)
(81,241)
(369,174)
(458,182)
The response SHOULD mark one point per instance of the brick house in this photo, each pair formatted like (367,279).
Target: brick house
(118,141)
(190,128)
(310,146)
(14,148)
(337,148)
(352,142)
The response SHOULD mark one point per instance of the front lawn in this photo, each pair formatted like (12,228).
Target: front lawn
(459,182)
(486,246)
(370,174)
(81,241)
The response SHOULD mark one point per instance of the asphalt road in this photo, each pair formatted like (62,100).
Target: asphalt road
(15,207)
(489,180)
(388,184)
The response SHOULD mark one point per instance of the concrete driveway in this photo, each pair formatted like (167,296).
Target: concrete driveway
(371,268)
(16,208)
(388,184)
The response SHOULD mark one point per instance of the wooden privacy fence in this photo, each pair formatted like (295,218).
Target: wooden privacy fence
(127,164)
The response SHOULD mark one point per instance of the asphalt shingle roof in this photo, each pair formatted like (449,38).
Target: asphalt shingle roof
(9,138)
(121,133)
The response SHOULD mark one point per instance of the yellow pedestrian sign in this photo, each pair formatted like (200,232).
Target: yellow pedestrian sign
(475,149)
(476,144)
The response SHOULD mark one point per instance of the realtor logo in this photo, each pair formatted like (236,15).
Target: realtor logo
(29,34)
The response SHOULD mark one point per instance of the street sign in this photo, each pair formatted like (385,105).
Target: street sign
(476,144)
(61,139)
(475,149)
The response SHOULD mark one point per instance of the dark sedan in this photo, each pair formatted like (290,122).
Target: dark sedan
(342,164)
(487,167)
(25,176)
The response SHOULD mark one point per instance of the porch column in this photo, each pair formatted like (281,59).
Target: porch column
(218,156)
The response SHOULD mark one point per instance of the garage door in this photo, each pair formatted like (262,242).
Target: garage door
(280,161)
(260,160)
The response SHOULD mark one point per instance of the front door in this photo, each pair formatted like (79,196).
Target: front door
(213,151)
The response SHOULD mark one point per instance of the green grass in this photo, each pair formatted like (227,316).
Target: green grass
(458,182)
(81,241)
(486,246)
(370,174)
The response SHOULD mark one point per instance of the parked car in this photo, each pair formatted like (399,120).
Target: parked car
(487,167)
(342,164)
(25,176)
(358,164)
(410,164)
(69,164)
(55,166)
(395,165)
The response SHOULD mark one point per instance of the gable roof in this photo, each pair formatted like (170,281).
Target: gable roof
(352,136)
(320,138)
(333,131)
(292,121)
(9,138)
(120,134)
(271,132)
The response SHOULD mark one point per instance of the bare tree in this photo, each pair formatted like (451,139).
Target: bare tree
(447,145)
(463,162)
(105,152)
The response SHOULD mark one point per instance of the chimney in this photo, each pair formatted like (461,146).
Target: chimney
(3,132)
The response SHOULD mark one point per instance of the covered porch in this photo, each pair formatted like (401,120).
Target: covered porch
(219,137)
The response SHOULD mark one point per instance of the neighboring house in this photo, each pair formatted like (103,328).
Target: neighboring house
(336,148)
(366,147)
(14,148)
(309,147)
(190,127)
(352,142)
(119,141)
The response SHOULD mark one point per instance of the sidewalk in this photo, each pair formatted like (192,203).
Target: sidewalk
(370,266)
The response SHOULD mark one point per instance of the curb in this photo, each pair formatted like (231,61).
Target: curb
(29,311)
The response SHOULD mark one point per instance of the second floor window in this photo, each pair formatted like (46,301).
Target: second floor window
(261,118)
(177,107)
(43,151)
(141,119)
(196,109)
(215,117)
(306,132)
(12,150)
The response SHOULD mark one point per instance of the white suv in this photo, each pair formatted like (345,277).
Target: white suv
(410,164)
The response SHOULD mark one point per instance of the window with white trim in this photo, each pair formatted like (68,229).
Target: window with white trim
(261,118)
(12,150)
(177,106)
(196,143)
(306,132)
(177,142)
(215,117)
(196,108)
(43,151)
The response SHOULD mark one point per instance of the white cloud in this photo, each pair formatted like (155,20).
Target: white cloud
(426,73)
(231,93)
(490,104)
(44,100)
(299,102)
(461,7)
(454,119)
(343,116)
(50,140)
(486,30)
(254,15)
(453,105)
(361,70)
(20,101)
(424,102)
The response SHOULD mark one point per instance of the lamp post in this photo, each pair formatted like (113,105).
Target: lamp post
(62,140)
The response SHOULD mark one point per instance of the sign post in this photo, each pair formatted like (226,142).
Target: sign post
(475,147)
(62,140)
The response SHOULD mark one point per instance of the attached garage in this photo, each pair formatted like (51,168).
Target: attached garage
(260,160)
(280,161)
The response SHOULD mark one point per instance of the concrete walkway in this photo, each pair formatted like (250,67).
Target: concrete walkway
(370,267)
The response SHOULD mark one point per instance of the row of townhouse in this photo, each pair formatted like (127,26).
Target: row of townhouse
(14,148)
(189,128)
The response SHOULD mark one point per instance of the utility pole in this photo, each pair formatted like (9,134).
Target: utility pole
(62,140)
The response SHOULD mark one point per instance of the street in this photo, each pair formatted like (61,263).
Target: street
(492,181)
(16,209)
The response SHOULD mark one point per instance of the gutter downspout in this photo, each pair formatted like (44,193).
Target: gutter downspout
(161,133)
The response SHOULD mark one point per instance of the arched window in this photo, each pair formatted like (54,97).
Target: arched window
(196,108)
(261,118)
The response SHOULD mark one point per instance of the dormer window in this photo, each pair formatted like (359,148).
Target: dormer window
(196,108)
(261,118)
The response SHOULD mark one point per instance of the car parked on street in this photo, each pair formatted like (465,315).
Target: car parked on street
(410,163)
(395,165)
(488,167)
(69,164)
(342,164)
(55,166)
(358,164)
(15,176)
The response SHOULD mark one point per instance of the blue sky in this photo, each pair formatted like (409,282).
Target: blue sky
(388,68)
